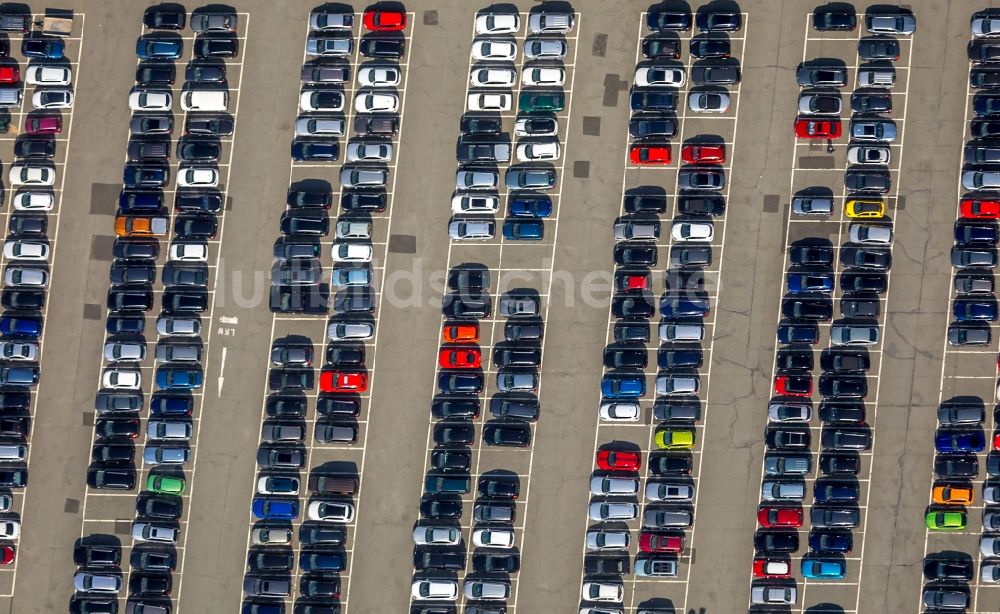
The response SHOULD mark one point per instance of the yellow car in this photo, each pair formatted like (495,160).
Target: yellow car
(952,495)
(671,439)
(871,209)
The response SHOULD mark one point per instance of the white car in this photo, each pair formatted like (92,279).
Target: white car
(378,75)
(376,103)
(498,23)
(26,277)
(264,486)
(18,350)
(659,76)
(271,535)
(536,126)
(607,540)
(31,174)
(350,331)
(489,102)
(331,511)
(603,591)
(198,177)
(189,252)
(149,532)
(476,180)
(869,154)
(620,412)
(762,594)
(41,74)
(493,77)
(493,538)
(437,536)
(150,100)
(543,76)
(708,102)
(20,249)
(122,379)
(319,126)
(321,100)
(352,252)
(10,529)
(34,201)
(538,150)
(436,589)
(475,203)
(494,50)
(985,25)
(53,99)
(667,491)
(371,151)
(692,231)
(611,485)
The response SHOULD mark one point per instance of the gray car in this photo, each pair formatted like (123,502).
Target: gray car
(512,381)
(701,179)
(812,205)
(637,230)
(476,180)
(667,518)
(877,130)
(854,334)
(515,306)
(267,586)
(870,234)
(472,230)
(951,415)
(544,49)
(981,180)
(829,517)
(776,490)
(165,455)
(364,177)
(965,257)
(716,75)
(169,429)
(329,46)
(530,179)
(961,335)
(133,351)
(787,464)
(170,352)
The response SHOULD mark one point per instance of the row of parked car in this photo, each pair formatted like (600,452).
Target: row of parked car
(615,483)
(810,283)
(142,220)
(960,419)
(297,286)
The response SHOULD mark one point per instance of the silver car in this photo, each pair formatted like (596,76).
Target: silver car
(132,351)
(544,49)
(323,20)
(476,180)
(21,350)
(487,589)
(350,331)
(607,540)
(668,491)
(513,306)
(870,234)
(88,582)
(649,231)
(708,102)
(319,126)
(472,230)
(854,334)
(530,179)
(169,352)
(812,205)
(364,177)
(181,327)
(26,277)
(981,180)
(512,381)
(766,594)
(369,151)
(605,485)
(775,490)
(667,519)
(329,46)
(677,384)
(165,455)
(611,510)
(169,429)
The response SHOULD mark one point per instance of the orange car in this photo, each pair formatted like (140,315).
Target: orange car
(955,495)
(460,333)
(140,226)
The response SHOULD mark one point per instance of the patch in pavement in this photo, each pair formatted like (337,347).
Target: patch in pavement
(772,202)
(592,126)
(612,86)
(600,48)
(814,162)
(72,506)
(402,244)
(430,18)
(123,527)
(581,169)
(91,311)
(900,203)
(87,418)
(104,198)
(229,203)
(100,247)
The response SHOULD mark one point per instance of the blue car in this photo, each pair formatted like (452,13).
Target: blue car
(828,491)
(178,379)
(523,231)
(838,542)
(45,48)
(801,283)
(321,561)
(819,568)
(136,176)
(976,233)
(461,382)
(147,202)
(21,326)
(266,508)
(959,441)
(674,307)
(623,386)
(530,207)
(171,407)
(965,311)
(798,332)
(158,49)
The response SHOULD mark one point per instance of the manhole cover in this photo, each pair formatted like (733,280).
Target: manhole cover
(72,506)
(592,126)
(771,203)
(581,169)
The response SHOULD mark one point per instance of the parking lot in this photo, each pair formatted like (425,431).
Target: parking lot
(912,369)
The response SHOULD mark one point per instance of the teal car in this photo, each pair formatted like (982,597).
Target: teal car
(823,568)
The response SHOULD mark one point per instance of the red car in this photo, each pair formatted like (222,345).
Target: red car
(770,516)
(996,441)
(343,381)
(617,460)
(384,21)
(660,542)
(9,74)
(704,154)
(43,124)
(649,154)
(771,567)
(634,281)
(817,128)
(6,555)
(793,385)
(459,358)
(980,209)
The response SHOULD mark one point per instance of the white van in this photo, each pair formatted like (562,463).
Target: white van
(205,100)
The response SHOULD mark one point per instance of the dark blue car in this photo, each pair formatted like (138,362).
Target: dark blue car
(831,542)
(976,233)
(801,283)
(798,332)
(646,100)
(462,382)
(21,326)
(675,307)
(523,231)
(169,406)
(835,492)
(959,441)
(153,48)
(136,176)
(140,202)
(266,508)
(964,311)
(530,207)
(623,385)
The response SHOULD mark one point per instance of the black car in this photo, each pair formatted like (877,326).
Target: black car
(652,101)
(475,124)
(203,72)
(150,584)
(111,478)
(451,460)
(135,249)
(168,507)
(948,466)
(196,226)
(477,278)
(948,569)
(324,150)
(635,254)
(863,257)
(517,435)
(184,301)
(270,560)
(831,20)
(704,47)
(501,487)
(629,331)
(657,20)
(459,408)
(792,360)
(877,182)
(338,405)
(874,48)
(984,78)
(153,560)
(484,562)
(164,17)
(718,21)
(671,465)
(783,438)
(871,102)
(839,464)
(117,428)
(864,282)
(661,47)
(374,46)
(192,275)
(677,359)
(628,306)
(604,565)
(708,204)
(354,300)
(345,355)
(198,150)
(425,559)
(626,358)
(845,360)
(518,331)
(216,47)
(809,255)
(517,356)
(291,379)
(43,149)
(132,272)
(466,306)
(285,407)
(130,298)
(209,126)
(363,200)
(690,256)
(305,222)
(843,386)
(155,73)
(21,224)
(652,127)
(645,203)
(453,433)
(309,198)
(105,555)
(27,300)
(198,202)
(439,508)
(776,541)
(859,307)
(807,309)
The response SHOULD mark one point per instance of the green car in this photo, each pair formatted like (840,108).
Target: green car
(946,521)
(164,484)
(541,102)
